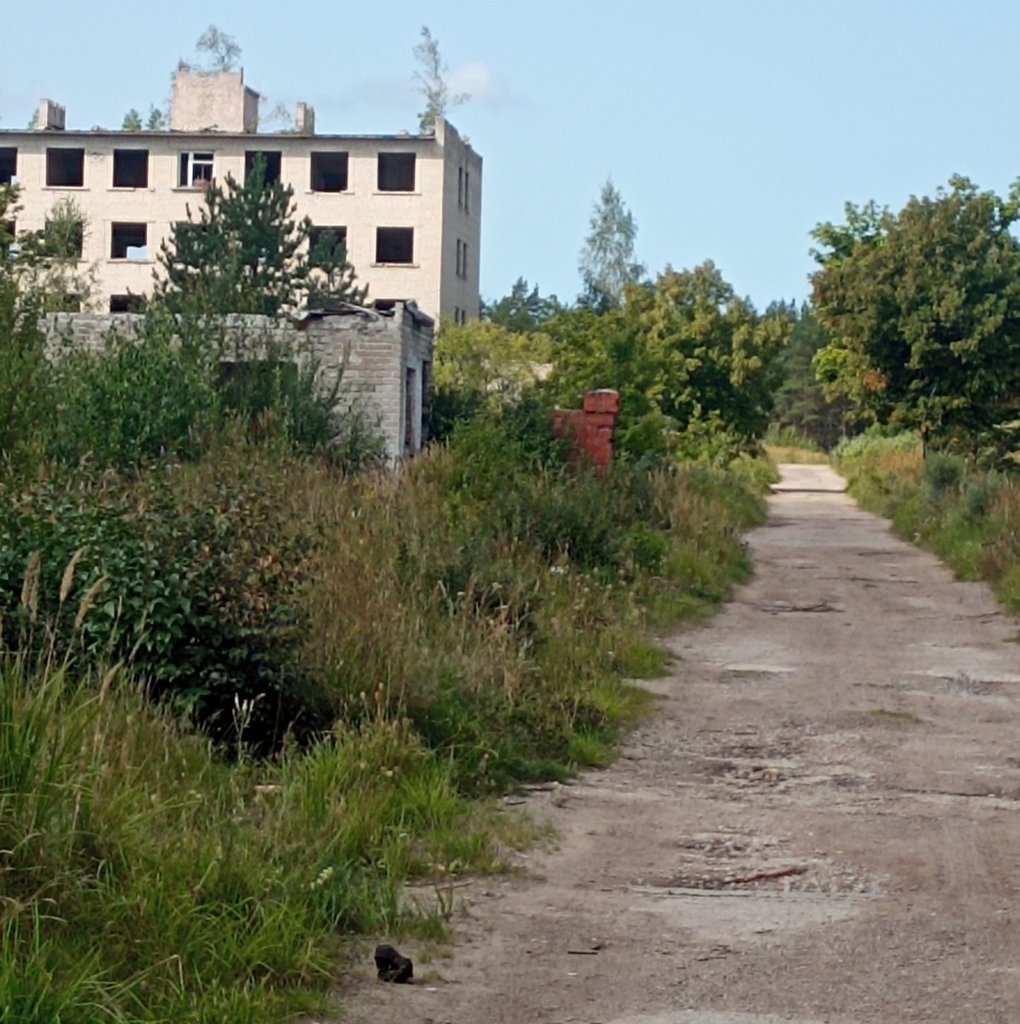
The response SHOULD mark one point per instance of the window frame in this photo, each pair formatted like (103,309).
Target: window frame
(321,154)
(191,159)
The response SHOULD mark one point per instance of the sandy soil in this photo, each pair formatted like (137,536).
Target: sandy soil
(821,821)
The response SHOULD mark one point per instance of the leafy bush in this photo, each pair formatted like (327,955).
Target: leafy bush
(191,578)
(942,473)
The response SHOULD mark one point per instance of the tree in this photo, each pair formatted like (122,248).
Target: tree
(245,253)
(132,121)
(39,273)
(156,121)
(222,52)
(46,264)
(433,82)
(524,309)
(607,262)
(924,311)
(688,357)
(800,403)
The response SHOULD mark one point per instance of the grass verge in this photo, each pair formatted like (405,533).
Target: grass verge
(969,517)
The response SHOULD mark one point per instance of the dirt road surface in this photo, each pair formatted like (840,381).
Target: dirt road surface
(819,823)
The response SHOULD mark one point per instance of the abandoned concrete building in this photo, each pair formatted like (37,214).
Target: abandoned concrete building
(382,359)
(407,206)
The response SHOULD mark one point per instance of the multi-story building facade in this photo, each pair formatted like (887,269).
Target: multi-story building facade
(408,207)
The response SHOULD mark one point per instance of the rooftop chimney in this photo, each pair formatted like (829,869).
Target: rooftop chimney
(304,119)
(52,116)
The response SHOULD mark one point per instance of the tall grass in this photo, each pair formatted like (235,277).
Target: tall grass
(967,515)
(401,644)
(145,879)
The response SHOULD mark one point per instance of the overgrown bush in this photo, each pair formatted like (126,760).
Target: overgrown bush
(191,577)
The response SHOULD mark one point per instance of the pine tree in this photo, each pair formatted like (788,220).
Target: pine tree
(245,253)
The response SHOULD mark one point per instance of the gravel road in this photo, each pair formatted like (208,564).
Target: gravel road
(819,823)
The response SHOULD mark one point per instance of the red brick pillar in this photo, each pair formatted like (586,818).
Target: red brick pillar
(591,428)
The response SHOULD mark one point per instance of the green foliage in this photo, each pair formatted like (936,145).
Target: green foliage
(968,515)
(942,473)
(45,273)
(800,402)
(923,308)
(692,362)
(156,120)
(432,82)
(607,262)
(482,365)
(245,253)
(523,309)
(132,121)
(144,880)
(192,579)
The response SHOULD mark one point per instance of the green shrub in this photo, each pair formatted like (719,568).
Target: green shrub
(192,579)
(942,473)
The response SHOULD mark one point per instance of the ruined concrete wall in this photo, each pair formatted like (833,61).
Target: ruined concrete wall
(369,353)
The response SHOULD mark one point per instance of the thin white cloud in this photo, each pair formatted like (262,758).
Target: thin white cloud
(477,79)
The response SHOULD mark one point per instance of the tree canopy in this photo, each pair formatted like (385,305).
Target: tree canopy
(524,309)
(607,263)
(923,308)
(432,82)
(244,252)
(689,358)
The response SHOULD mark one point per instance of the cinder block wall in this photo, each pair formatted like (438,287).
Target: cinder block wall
(370,353)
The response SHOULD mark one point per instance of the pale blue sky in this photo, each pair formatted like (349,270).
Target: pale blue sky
(731,128)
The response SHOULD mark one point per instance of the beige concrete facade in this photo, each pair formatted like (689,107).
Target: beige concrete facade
(410,205)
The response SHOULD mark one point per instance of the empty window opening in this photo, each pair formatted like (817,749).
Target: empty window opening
(467,191)
(329,172)
(327,246)
(130,168)
(394,245)
(196,169)
(129,242)
(460,188)
(127,303)
(396,172)
(65,168)
(271,162)
(8,165)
